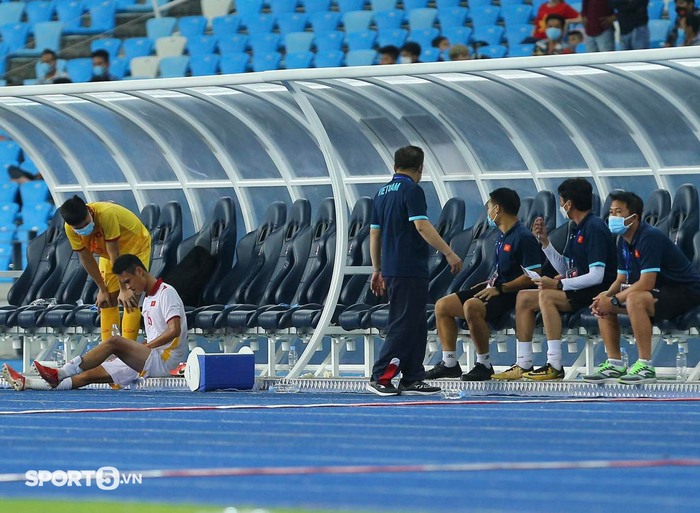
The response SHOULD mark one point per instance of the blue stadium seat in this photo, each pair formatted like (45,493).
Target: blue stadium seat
(201,45)
(516,14)
(9,152)
(118,67)
(8,213)
(458,35)
(8,191)
(282,6)
(38,11)
(11,12)
(452,16)
(223,25)
(111,45)
(350,5)
(191,26)
(430,54)
(249,8)
(424,37)
(79,70)
(233,43)
(160,27)
(505,3)
(360,58)
(414,4)
(292,22)
(298,42)
(493,51)
(35,191)
(204,64)
(329,59)
(444,4)
(324,21)
(488,34)
(172,67)
(395,37)
(488,15)
(658,30)
(137,47)
(47,35)
(266,61)
(516,33)
(35,217)
(259,23)
(363,40)
(14,35)
(355,21)
(329,40)
(298,60)
(521,50)
(102,18)
(264,43)
(312,6)
(422,18)
(70,14)
(386,20)
(234,63)
(382,5)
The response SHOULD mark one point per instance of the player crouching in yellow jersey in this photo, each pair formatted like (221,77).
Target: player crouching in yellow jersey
(165,347)
(108,230)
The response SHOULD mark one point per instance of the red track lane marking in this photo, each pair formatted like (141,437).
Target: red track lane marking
(346,405)
(396,469)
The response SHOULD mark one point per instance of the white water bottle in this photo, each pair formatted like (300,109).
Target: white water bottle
(624,357)
(292,357)
(115,330)
(681,363)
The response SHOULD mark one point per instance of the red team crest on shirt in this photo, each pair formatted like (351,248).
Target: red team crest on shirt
(636,254)
(580,239)
(506,247)
(153,303)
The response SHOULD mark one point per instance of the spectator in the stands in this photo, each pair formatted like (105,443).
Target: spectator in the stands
(100,67)
(692,30)
(389,54)
(573,39)
(633,19)
(553,44)
(19,175)
(410,53)
(599,38)
(547,9)
(683,9)
(459,53)
(47,72)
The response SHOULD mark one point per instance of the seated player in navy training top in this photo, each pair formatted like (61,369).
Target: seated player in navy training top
(400,240)
(655,281)
(586,269)
(489,301)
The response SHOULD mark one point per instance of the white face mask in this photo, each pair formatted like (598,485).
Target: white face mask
(564,212)
(405,60)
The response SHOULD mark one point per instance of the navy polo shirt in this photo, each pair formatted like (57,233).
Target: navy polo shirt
(396,206)
(592,245)
(515,248)
(653,252)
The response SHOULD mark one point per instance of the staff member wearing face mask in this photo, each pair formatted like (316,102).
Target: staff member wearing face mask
(488,302)
(108,230)
(586,268)
(100,67)
(553,44)
(655,281)
(410,53)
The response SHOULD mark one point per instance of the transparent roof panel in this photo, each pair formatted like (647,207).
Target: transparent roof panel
(162,196)
(469,192)
(207,201)
(643,185)
(262,197)
(124,197)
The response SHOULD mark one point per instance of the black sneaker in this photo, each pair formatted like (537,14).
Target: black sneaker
(441,371)
(418,388)
(383,390)
(480,372)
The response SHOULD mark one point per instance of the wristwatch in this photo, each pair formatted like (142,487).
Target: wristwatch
(560,285)
(614,301)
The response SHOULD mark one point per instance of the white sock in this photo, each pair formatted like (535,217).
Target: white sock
(65,384)
(648,362)
(484,359)
(554,353)
(524,353)
(450,358)
(71,368)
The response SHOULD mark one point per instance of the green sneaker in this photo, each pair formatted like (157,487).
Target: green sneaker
(605,373)
(638,374)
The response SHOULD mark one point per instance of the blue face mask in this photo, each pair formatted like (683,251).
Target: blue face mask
(617,224)
(98,71)
(85,230)
(491,222)
(553,33)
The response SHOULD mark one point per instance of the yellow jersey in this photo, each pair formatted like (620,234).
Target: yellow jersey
(112,222)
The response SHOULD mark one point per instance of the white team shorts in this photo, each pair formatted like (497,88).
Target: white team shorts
(124,375)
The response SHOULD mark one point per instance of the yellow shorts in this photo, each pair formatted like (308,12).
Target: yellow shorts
(110,278)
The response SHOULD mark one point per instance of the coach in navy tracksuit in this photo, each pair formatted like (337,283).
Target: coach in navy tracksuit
(400,236)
